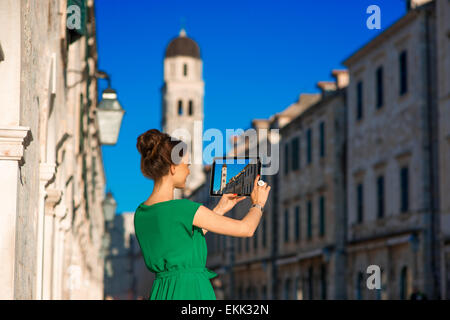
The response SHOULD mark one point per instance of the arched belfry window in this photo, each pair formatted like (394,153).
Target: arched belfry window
(180,107)
(185,69)
(191,108)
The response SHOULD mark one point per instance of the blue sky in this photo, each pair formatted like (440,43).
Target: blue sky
(258,56)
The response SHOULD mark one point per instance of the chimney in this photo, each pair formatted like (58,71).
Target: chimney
(326,87)
(341,77)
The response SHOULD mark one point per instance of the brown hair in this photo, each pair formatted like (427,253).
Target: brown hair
(155,148)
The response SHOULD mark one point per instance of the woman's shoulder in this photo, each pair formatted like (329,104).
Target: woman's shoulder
(169,203)
(192,202)
(189,200)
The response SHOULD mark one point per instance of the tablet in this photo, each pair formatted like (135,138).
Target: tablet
(234,175)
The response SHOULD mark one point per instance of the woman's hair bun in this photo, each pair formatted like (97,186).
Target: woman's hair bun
(149,142)
(155,148)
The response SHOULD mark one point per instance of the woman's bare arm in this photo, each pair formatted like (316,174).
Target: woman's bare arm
(216,211)
(211,221)
(220,210)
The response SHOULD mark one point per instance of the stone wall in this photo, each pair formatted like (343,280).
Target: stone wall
(55,181)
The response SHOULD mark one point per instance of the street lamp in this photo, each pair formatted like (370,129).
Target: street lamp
(106,242)
(109,207)
(109,113)
(414,241)
(326,254)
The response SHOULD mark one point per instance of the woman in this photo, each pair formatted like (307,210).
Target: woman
(171,232)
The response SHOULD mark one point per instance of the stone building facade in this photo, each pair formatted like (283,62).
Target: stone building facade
(245,265)
(215,261)
(52,185)
(443,97)
(394,219)
(311,206)
(126,275)
(362,180)
(241,183)
(380,185)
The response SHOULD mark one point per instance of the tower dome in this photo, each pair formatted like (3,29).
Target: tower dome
(183,46)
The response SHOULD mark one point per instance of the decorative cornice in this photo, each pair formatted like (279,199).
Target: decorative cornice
(309,254)
(12,142)
(52,199)
(46,171)
(385,239)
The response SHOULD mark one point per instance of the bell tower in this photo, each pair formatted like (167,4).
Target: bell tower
(223,178)
(182,102)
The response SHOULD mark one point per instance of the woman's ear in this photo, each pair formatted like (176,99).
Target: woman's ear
(172,169)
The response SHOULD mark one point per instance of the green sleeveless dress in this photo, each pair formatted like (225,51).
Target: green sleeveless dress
(175,250)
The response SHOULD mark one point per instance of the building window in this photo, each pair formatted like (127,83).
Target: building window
(287,289)
(403,72)
(305,287)
(240,293)
(213,244)
(310,283)
(359,286)
(295,288)
(286,225)
(264,292)
(298,289)
(286,158)
(180,107)
(404,192)
(191,108)
(297,222)
(379,87)
(382,293)
(405,283)
(309,145)
(185,69)
(322,139)
(380,196)
(323,281)
(295,158)
(322,215)
(82,111)
(309,219)
(85,186)
(359,100)
(94,176)
(264,232)
(299,153)
(360,202)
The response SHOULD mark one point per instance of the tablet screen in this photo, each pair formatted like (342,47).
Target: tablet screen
(234,175)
